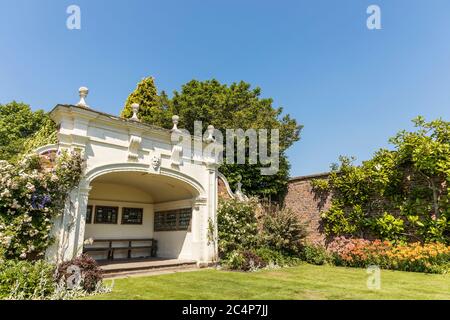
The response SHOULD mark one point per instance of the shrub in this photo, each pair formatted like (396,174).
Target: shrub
(282,231)
(272,257)
(316,254)
(89,277)
(234,260)
(252,261)
(244,260)
(237,226)
(26,280)
(275,236)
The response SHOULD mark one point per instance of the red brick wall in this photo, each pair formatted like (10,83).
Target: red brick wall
(222,190)
(302,200)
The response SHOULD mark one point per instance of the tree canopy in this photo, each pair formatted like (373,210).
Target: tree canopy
(224,106)
(18,123)
(151,107)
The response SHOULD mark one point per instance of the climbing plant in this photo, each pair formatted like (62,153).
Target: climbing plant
(400,194)
(32,194)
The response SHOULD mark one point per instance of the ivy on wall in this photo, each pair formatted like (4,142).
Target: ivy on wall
(398,195)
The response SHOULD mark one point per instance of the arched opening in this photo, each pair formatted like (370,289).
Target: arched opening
(127,205)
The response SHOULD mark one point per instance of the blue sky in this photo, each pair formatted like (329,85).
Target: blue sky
(350,87)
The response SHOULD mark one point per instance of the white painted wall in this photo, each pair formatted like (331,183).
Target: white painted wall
(176,244)
(118,231)
(171,244)
(121,231)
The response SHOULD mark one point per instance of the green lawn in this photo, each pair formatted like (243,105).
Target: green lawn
(301,282)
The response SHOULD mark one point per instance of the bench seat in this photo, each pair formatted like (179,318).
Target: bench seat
(130,247)
(96,249)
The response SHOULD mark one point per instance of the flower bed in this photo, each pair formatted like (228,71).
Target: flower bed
(417,257)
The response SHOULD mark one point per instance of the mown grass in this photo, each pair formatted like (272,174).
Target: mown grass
(300,283)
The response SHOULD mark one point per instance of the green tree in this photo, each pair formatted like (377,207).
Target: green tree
(17,124)
(153,109)
(234,106)
(428,149)
(239,106)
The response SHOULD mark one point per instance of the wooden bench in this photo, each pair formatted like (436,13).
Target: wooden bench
(111,249)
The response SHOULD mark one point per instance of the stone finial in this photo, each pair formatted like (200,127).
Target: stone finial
(135,108)
(175,120)
(238,193)
(239,184)
(83,92)
(210,138)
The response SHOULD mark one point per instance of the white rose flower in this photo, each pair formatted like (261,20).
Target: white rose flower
(6,241)
(30,187)
(15,204)
(89,241)
(5,193)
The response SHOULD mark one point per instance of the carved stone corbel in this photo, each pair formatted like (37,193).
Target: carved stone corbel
(177,155)
(134,146)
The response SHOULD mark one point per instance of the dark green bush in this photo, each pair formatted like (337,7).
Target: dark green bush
(282,231)
(316,254)
(272,257)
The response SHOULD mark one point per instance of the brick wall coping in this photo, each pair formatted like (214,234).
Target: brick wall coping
(309,177)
